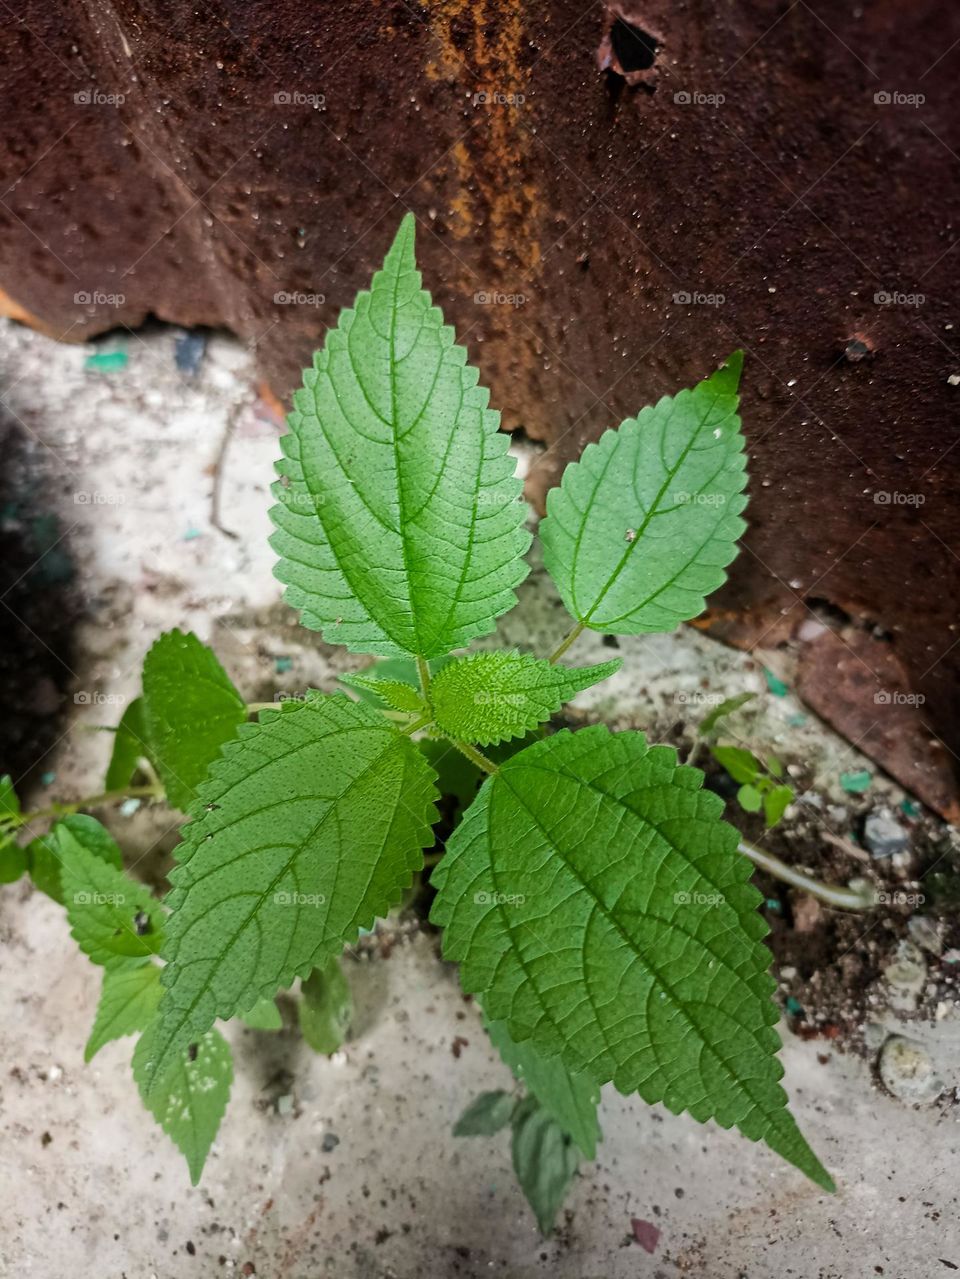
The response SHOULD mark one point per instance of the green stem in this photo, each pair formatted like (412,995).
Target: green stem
(254,707)
(89,801)
(417,724)
(567,640)
(861,898)
(475,756)
(423,670)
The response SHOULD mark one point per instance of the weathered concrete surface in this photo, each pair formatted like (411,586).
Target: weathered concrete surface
(89,1186)
(267,149)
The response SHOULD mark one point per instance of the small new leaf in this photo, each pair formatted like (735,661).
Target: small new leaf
(310,825)
(128,1002)
(398,524)
(742,765)
(13,858)
(394,693)
(189,1099)
(598,904)
(568,1096)
(490,697)
(44,858)
(545,1160)
(112,918)
(325,1008)
(640,530)
(485,1115)
(129,747)
(264,1015)
(190,709)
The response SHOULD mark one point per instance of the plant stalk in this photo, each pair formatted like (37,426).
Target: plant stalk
(863,898)
(89,801)
(475,756)
(567,640)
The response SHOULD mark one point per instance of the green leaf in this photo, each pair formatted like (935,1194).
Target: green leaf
(398,524)
(489,697)
(325,1008)
(642,527)
(776,802)
(725,708)
(264,1015)
(43,863)
(189,1099)
(311,824)
(392,692)
(129,747)
(485,1115)
(545,1160)
(569,1097)
(598,904)
(112,918)
(749,798)
(13,858)
(44,858)
(128,1002)
(190,710)
(742,765)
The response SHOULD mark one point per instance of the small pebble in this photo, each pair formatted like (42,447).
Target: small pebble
(284,1104)
(330,1142)
(907,1071)
(926,933)
(883,834)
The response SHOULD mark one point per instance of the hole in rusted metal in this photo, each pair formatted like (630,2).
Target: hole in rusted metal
(634,48)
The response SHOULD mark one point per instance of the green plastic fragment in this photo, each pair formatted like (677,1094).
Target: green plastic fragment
(856,783)
(775,684)
(106,362)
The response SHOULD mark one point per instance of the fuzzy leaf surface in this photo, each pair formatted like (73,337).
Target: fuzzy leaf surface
(490,697)
(310,825)
(128,1002)
(190,708)
(570,1097)
(190,1097)
(597,903)
(641,529)
(112,918)
(398,525)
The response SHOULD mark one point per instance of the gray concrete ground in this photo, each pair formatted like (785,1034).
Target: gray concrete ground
(359,1177)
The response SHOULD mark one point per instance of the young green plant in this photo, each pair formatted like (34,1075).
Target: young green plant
(594,898)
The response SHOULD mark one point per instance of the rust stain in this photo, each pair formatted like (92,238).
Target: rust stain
(480,47)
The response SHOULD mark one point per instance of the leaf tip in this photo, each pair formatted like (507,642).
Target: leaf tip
(728,374)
